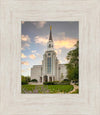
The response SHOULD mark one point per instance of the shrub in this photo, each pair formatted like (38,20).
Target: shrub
(34,80)
(65,82)
(25,80)
(28,79)
(56,82)
(48,83)
(75,82)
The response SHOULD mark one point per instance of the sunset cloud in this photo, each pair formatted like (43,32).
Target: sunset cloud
(25,38)
(60,42)
(41,40)
(25,41)
(25,62)
(39,24)
(23,55)
(32,56)
(67,43)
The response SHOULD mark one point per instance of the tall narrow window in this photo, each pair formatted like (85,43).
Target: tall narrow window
(49,65)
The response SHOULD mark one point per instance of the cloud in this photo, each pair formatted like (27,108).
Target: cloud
(41,40)
(24,45)
(36,53)
(25,62)
(67,43)
(32,56)
(60,41)
(25,41)
(23,56)
(25,38)
(33,51)
(39,24)
(27,69)
(63,60)
(58,51)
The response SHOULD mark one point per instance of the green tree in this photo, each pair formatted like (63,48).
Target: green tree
(73,65)
(25,80)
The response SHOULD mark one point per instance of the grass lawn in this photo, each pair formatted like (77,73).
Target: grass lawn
(46,89)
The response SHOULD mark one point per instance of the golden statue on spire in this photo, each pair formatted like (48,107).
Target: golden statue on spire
(50,27)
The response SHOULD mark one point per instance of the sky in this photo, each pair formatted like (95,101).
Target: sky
(34,38)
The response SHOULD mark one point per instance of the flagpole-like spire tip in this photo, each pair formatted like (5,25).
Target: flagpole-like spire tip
(50,27)
(50,37)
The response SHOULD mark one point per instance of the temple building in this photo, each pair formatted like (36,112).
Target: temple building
(51,69)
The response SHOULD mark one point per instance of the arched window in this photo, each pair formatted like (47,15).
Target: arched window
(49,45)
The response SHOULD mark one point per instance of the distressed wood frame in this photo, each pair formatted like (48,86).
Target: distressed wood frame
(87,102)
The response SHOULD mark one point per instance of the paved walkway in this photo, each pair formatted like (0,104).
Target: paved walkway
(75,87)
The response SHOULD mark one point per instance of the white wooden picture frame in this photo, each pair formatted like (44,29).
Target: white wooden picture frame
(87,102)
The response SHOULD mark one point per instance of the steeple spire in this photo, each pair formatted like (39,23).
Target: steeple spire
(50,37)
(50,42)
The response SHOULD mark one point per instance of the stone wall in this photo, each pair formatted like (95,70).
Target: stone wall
(63,71)
(36,72)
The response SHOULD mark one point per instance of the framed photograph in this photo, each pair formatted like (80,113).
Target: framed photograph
(50,63)
(50,57)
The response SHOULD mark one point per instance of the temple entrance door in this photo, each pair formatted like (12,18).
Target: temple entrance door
(53,78)
(50,79)
(45,78)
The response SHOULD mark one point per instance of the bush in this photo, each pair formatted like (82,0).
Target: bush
(56,82)
(48,83)
(25,80)
(34,80)
(75,82)
(65,82)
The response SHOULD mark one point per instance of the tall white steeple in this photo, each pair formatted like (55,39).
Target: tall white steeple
(50,45)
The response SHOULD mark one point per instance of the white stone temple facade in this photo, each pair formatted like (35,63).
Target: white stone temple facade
(50,70)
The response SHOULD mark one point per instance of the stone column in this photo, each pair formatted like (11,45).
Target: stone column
(42,79)
(48,78)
